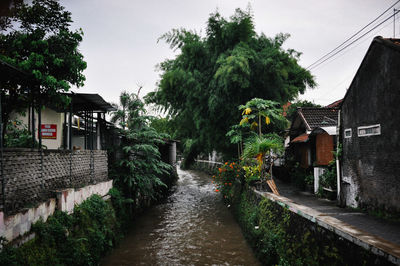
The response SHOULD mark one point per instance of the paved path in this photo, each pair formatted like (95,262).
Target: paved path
(379,227)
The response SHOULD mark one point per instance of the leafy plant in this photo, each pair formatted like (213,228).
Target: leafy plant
(78,239)
(329,179)
(227,175)
(138,173)
(259,146)
(18,136)
(258,109)
(252,174)
(309,180)
(37,39)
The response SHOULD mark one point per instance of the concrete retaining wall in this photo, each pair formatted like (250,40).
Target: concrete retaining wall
(376,245)
(14,226)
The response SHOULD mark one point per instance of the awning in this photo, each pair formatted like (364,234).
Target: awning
(90,102)
(300,139)
(85,102)
(331,130)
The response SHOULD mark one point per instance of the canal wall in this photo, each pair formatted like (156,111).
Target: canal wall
(80,238)
(17,225)
(282,232)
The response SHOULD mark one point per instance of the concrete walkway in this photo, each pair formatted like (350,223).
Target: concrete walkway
(377,235)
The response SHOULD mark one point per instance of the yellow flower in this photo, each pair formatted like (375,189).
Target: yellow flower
(267,120)
(253,125)
(244,120)
(246,111)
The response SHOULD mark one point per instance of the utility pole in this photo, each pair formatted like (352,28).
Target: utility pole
(395,11)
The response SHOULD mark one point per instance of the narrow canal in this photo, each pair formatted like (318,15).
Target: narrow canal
(193,227)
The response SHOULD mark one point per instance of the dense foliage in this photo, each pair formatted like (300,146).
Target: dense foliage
(78,239)
(37,39)
(280,237)
(140,172)
(212,75)
(18,136)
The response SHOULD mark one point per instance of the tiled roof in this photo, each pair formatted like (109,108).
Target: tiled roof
(318,117)
(300,139)
(335,104)
(394,41)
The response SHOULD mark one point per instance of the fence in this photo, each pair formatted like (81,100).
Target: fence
(31,176)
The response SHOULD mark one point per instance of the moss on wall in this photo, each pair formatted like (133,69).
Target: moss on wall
(78,239)
(279,236)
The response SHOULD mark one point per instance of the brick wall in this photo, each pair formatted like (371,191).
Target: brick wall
(324,148)
(32,177)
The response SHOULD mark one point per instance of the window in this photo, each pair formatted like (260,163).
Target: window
(347,133)
(369,130)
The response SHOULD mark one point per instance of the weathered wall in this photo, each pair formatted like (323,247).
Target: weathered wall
(68,198)
(279,229)
(13,226)
(371,164)
(324,148)
(32,177)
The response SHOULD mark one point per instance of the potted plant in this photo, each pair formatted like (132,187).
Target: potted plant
(328,181)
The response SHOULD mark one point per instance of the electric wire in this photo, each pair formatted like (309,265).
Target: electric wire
(355,46)
(316,65)
(355,34)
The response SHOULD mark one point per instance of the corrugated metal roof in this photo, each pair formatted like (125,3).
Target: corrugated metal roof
(90,102)
(330,130)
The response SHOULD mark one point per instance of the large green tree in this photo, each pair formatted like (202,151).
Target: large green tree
(36,38)
(212,75)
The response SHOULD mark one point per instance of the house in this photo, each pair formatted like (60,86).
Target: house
(312,138)
(370,131)
(317,147)
(74,126)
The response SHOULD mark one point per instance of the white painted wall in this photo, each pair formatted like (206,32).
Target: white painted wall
(49,116)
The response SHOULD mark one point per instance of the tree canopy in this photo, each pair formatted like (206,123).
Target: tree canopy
(36,38)
(212,75)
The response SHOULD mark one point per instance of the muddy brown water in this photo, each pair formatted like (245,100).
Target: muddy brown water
(193,227)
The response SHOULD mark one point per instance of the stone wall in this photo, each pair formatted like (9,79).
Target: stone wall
(31,177)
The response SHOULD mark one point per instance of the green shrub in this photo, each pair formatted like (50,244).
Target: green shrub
(329,178)
(78,239)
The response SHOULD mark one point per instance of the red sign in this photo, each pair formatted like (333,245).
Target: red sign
(49,131)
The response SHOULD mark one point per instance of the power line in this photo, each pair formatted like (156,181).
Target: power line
(355,46)
(315,65)
(355,34)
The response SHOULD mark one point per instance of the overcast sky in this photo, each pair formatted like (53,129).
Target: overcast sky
(121,49)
